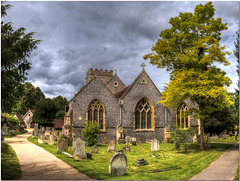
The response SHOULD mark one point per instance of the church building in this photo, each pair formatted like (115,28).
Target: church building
(122,110)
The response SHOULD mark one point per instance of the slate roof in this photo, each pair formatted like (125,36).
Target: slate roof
(19,118)
(58,123)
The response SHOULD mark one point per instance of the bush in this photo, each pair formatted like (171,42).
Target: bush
(69,138)
(91,132)
(10,118)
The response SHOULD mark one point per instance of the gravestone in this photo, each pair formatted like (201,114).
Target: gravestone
(118,164)
(128,140)
(54,133)
(62,145)
(60,134)
(94,149)
(195,138)
(208,138)
(141,162)
(47,132)
(155,145)
(120,151)
(134,141)
(126,148)
(79,150)
(224,136)
(104,140)
(111,145)
(51,140)
(5,130)
(47,137)
(41,138)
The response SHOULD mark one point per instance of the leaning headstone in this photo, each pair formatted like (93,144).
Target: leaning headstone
(155,145)
(62,145)
(134,141)
(41,138)
(141,162)
(118,164)
(79,150)
(111,145)
(51,140)
(94,149)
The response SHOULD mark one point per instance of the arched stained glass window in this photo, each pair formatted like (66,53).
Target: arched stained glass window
(143,115)
(183,121)
(96,113)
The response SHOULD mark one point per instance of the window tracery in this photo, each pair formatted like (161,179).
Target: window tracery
(182,120)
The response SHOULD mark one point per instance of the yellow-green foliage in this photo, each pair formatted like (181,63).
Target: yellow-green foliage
(188,49)
(10,118)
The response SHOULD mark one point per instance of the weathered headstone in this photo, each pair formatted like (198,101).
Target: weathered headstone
(41,138)
(111,145)
(54,133)
(51,140)
(60,134)
(47,137)
(208,138)
(134,141)
(128,140)
(141,162)
(94,149)
(5,130)
(195,138)
(104,140)
(155,145)
(118,164)
(79,150)
(62,145)
(47,132)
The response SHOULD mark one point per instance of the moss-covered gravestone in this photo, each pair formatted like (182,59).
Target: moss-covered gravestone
(118,164)
(62,145)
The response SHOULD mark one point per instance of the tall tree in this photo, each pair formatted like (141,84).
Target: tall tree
(31,96)
(61,102)
(16,47)
(188,49)
(236,102)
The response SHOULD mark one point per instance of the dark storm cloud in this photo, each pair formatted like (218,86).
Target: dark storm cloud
(107,35)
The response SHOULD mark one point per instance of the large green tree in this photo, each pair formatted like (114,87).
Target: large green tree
(236,102)
(16,47)
(188,49)
(31,96)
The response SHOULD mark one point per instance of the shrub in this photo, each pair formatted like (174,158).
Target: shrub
(179,136)
(69,138)
(91,132)
(10,118)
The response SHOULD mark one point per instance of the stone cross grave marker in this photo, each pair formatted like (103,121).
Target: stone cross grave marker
(62,145)
(111,145)
(79,150)
(41,138)
(155,145)
(94,149)
(118,164)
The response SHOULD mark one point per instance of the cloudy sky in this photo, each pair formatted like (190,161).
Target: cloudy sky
(109,35)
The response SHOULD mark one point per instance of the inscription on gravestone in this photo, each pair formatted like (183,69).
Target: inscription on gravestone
(118,164)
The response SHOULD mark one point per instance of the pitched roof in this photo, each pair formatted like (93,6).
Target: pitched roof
(120,93)
(30,110)
(19,117)
(58,123)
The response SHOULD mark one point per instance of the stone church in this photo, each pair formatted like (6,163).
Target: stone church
(123,110)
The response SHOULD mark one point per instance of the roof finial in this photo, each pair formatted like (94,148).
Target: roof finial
(143,65)
(115,71)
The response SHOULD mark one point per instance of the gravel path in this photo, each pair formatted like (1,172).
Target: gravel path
(38,164)
(224,168)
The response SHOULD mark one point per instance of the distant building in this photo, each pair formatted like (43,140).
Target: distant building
(123,110)
(27,118)
(21,122)
(58,123)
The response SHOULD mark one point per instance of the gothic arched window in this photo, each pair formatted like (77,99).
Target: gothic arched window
(183,121)
(144,115)
(95,112)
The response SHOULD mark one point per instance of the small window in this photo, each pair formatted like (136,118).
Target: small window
(183,121)
(29,115)
(115,83)
(144,81)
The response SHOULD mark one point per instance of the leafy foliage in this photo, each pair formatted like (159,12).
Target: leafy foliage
(183,136)
(31,96)
(69,138)
(10,118)
(16,47)
(91,132)
(188,49)
(236,101)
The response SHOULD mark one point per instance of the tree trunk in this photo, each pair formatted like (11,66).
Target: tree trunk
(202,144)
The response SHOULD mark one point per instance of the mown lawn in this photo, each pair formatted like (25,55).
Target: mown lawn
(10,169)
(237,176)
(176,165)
(11,135)
(227,140)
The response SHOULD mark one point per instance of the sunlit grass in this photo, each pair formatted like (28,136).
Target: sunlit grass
(12,135)
(10,169)
(227,140)
(174,165)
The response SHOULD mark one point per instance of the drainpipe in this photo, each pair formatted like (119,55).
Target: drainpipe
(120,102)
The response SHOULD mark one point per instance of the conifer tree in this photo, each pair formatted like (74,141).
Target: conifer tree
(188,49)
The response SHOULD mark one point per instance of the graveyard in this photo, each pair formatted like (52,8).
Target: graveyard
(165,164)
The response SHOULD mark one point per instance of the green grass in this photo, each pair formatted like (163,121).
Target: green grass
(227,140)
(237,176)
(12,135)
(9,163)
(180,165)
